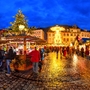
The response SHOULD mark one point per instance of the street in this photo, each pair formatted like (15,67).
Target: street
(57,74)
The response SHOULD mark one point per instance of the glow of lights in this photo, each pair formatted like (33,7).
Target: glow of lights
(21,27)
(71,45)
(57,28)
(25,29)
(16,49)
(20,47)
(82,46)
(57,38)
(75,60)
(55,66)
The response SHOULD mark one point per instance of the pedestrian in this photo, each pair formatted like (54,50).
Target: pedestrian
(57,50)
(82,52)
(9,56)
(65,53)
(35,58)
(1,58)
(41,63)
(87,53)
(61,53)
(47,50)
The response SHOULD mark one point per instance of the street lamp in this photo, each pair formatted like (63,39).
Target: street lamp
(21,27)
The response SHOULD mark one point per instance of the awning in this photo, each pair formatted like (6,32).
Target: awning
(28,38)
(3,41)
(86,40)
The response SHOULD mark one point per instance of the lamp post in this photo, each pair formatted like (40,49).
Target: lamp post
(22,27)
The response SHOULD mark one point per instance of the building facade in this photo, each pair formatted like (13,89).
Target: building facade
(39,33)
(65,35)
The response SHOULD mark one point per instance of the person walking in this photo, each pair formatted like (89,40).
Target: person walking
(41,63)
(35,58)
(82,52)
(57,50)
(61,53)
(1,58)
(9,56)
(65,53)
(87,53)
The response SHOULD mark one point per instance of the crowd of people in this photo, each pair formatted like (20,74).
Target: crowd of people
(69,51)
(37,56)
(6,56)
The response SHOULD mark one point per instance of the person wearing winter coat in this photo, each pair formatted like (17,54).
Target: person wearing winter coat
(35,58)
(1,58)
(9,56)
(41,63)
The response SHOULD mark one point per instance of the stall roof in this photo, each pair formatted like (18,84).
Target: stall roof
(86,40)
(3,41)
(28,38)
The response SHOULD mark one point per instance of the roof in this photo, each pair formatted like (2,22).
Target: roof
(86,39)
(28,38)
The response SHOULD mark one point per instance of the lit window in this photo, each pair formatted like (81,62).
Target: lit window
(71,39)
(64,34)
(64,39)
(49,34)
(71,34)
(67,39)
(67,34)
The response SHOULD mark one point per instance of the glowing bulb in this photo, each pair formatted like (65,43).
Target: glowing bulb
(21,27)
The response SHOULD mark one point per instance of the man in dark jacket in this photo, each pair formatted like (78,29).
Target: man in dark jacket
(9,57)
(1,58)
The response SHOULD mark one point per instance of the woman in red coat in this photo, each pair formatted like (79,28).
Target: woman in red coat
(35,58)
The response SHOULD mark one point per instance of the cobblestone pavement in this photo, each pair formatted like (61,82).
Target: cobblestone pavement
(57,74)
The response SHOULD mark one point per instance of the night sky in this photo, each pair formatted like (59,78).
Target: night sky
(44,13)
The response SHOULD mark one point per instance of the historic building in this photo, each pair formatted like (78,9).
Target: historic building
(61,35)
(65,35)
(39,33)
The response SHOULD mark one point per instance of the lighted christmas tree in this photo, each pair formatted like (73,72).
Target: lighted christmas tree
(20,23)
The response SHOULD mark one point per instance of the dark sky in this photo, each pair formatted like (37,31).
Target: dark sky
(44,13)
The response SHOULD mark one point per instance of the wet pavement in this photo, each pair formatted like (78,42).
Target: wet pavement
(57,74)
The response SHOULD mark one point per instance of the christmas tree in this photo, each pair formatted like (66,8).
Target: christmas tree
(20,23)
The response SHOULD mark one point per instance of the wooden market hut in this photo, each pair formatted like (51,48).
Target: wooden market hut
(22,61)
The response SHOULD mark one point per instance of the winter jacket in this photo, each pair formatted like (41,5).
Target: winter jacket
(35,56)
(10,54)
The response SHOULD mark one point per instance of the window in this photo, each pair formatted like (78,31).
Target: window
(71,34)
(71,39)
(67,39)
(71,30)
(67,34)
(64,39)
(82,34)
(49,34)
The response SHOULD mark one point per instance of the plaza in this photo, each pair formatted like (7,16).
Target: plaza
(57,74)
